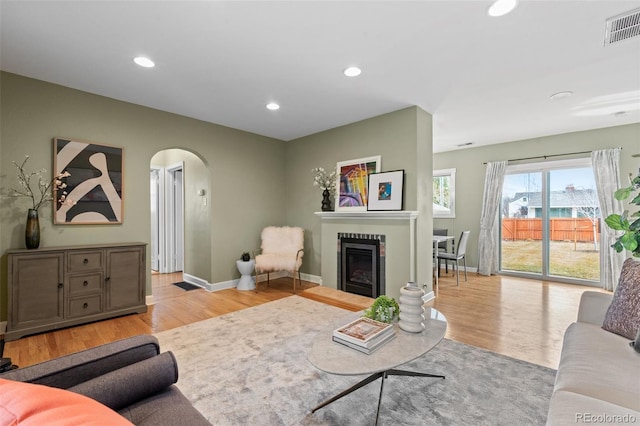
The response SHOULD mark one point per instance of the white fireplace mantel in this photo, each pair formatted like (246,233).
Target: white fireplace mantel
(395,214)
(409,215)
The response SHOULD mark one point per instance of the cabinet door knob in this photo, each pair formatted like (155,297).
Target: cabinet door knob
(85,306)
(85,261)
(85,283)
(107,279)
(60,285)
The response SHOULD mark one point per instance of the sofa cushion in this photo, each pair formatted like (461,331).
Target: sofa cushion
(70,370)
(570,408)
(26,404)
(169,408)
(623,315)
(132,383)
(600,365)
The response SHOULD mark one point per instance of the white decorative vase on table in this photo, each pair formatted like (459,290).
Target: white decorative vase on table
(411,310)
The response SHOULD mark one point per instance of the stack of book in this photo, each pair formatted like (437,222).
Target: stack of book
(364,334)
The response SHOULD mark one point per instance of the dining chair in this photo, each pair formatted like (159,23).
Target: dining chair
(460,254)
(442,247)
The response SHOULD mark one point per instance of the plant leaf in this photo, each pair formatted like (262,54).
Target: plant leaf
(617,246)
(635,225)
(623,193)
(617,222)
(629,242)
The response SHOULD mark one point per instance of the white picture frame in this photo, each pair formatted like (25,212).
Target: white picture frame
(352,182)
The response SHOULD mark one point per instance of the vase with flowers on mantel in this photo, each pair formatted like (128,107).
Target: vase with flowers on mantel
(327,182)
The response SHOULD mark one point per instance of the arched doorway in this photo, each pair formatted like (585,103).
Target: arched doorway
(180,205)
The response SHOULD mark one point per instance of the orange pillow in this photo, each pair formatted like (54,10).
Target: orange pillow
(27,404)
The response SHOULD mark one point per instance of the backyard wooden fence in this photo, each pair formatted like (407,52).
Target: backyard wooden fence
(560,229)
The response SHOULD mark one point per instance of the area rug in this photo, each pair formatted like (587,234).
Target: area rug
(251,367)
(186,286)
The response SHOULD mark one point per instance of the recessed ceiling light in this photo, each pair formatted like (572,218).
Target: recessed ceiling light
(144,62)
(352,72)
(502,7)
(273,106)
(561,95)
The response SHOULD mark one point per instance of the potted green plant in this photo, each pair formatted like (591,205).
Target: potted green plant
(384,309)
(630,239)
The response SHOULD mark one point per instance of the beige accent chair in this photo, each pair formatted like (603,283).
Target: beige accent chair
(282,250)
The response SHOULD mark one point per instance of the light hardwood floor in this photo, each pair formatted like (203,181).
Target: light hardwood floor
(521,318)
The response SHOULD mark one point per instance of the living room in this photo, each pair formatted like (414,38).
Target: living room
(256,180)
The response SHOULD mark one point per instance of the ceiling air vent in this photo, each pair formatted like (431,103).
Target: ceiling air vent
(622,27)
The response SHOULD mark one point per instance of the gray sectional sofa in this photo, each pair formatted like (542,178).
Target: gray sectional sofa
(129,376)
(598,378)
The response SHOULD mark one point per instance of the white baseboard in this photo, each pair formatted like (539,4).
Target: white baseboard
(428,296)
(234,283)
(197,281)
(468,268)
(149,300)
(310,278)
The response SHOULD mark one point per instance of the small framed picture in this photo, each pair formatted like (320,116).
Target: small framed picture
(386,190)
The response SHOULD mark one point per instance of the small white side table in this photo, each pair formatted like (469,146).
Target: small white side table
(247,282)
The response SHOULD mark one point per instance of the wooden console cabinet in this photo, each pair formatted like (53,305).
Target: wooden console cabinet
(51,288)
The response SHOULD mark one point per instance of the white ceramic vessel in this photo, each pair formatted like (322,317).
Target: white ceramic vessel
(411,309)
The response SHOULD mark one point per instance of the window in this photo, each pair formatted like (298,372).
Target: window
(444,193)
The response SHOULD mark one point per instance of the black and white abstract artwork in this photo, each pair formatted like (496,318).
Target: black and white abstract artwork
(94,187)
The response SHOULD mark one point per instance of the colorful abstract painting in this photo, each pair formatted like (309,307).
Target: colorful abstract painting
(352,183)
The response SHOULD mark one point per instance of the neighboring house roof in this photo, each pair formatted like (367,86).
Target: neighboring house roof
(559,199)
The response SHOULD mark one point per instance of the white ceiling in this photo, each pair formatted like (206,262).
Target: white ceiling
(485,80)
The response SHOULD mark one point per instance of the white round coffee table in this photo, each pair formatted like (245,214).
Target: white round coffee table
(247,282)
(334,358)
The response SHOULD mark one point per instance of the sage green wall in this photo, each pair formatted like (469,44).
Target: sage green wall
(401,138)
(197,221)
(470,171)
(244,169)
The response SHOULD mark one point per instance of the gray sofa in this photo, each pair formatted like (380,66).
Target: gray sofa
(598,378)
(129,376)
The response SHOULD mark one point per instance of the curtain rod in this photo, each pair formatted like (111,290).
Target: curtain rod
(549,156)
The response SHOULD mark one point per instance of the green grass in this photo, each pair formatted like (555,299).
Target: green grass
(566,259)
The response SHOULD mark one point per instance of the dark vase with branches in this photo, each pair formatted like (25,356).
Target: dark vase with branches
(42,195)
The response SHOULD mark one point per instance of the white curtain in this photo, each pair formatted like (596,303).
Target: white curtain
(488,239)
(606,170)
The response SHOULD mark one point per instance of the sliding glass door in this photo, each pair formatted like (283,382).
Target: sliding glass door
(551,222)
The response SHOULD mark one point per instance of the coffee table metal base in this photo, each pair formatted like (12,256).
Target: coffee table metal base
(371,378)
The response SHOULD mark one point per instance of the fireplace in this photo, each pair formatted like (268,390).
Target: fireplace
(361,267)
